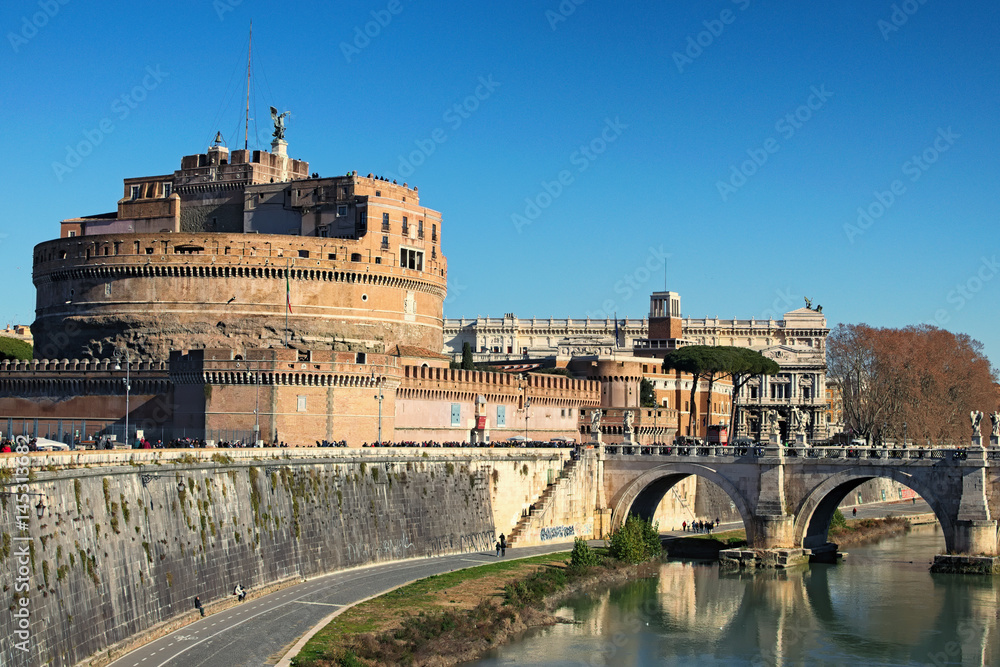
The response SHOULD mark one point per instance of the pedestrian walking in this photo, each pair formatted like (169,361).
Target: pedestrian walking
(854,512)
(503,545)
(197,605)
(684,526)
(498,548)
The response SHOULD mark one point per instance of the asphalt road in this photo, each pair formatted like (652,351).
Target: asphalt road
(260,630)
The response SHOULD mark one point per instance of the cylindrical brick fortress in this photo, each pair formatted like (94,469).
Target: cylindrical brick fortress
(156,292)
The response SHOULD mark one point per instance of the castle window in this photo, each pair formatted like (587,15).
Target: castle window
(411,259)
(107,289)
(501,415)
(434,232)
(420,229)
(385,223)
(341,210)
(385,243)
(406,227)
(168,188)
(301,404)
(359,358)
(134,192)
(355,256)
(331,255)
(456,414)
(304,254)
(378,193)
(72,234)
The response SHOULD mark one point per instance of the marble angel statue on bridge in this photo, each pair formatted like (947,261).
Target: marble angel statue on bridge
(975,417)
(595,420)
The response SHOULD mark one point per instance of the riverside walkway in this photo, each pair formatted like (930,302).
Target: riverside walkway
(261,630)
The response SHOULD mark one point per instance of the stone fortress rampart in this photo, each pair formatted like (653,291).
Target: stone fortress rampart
(157,292)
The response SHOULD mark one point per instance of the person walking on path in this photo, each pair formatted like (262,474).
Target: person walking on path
(197,605)
(498,548)
(503,545)
(855,511)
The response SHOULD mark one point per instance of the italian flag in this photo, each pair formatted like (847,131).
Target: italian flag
(288,293)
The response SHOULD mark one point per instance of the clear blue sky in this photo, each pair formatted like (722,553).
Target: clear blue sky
(674,129)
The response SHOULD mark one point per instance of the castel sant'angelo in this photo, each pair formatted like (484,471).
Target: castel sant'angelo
(242,298)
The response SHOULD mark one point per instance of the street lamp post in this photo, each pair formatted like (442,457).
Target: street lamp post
(378,382)
(904,435)
(128,387)
(527,404)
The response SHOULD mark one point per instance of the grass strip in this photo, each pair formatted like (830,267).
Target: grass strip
(395,627)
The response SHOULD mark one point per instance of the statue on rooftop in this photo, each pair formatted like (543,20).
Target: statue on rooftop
(279,123)
(809,303)
(628,419)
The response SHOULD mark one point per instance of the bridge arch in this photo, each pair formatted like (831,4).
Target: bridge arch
(643,494)
(815,512)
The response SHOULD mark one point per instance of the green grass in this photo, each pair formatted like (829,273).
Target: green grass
(417,599)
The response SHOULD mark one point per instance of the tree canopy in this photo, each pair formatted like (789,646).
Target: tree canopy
(922,376)
(647,394)
(12,348)
(467,363)
(716,362)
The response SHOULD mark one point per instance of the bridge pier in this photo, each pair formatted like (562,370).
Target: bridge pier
(772,531)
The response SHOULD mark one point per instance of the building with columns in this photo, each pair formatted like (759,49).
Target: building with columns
(797,343)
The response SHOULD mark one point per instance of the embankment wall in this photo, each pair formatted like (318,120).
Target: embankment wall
(126,539)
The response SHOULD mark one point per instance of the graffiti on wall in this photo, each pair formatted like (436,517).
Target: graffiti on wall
(555,532)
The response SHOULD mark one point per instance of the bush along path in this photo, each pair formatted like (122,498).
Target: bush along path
(459,616)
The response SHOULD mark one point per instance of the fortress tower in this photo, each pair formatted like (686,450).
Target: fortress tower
(220,252)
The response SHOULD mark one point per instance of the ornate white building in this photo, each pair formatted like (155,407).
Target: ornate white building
(797,343)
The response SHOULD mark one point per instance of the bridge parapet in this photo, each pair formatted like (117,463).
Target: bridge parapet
(792,455)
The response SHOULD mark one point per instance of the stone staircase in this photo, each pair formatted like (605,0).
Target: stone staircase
(541,501)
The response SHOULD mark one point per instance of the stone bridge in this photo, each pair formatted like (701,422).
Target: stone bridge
(787,496)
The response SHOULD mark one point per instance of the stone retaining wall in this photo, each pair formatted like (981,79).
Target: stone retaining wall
(127,539)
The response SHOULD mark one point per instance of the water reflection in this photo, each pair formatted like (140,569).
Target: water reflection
(880,607)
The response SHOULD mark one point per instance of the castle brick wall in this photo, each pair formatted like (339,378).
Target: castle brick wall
(158,292)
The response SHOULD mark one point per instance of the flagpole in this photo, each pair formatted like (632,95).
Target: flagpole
(288,299)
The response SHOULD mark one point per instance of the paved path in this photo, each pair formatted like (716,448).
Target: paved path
(260,630)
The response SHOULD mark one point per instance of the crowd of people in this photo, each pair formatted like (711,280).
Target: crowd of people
(456,443)
(699,526)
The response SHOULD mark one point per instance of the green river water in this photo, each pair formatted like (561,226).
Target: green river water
(880,606)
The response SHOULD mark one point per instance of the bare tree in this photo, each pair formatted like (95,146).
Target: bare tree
(921,381)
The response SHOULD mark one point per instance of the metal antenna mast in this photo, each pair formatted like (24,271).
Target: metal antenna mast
(246,130)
